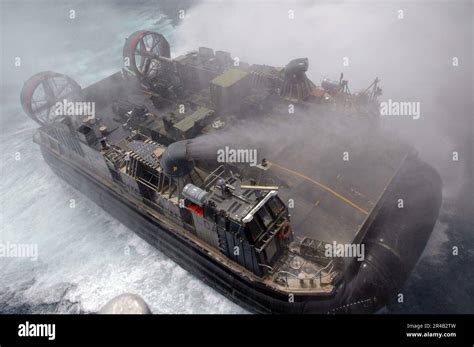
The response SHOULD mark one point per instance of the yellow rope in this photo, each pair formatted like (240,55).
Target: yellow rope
(336,194)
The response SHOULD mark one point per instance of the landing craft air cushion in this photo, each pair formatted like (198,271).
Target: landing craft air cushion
(259,234)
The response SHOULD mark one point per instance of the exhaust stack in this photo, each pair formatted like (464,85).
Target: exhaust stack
(296,85)
(176,160)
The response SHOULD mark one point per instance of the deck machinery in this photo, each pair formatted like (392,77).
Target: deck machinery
(260,234)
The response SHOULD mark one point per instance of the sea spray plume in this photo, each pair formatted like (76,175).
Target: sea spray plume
(374,37)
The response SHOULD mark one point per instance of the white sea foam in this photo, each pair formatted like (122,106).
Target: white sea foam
(81,250)
(85,256)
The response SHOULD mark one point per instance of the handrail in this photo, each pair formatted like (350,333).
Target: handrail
(215,175)
(318,273)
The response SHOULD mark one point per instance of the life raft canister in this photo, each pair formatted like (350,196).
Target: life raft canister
(285,231)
